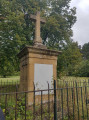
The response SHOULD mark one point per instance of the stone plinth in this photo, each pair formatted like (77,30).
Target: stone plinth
(31,60)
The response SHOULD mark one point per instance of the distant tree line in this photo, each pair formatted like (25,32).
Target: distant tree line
(82,69)
(17,31)
(74,60)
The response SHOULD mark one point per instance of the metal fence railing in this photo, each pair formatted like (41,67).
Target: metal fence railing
(68,103)
(7,87)
(12,86)
(64,83)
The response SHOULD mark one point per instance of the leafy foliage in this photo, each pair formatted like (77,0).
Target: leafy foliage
(82,69)
(17,30)
(85,51)
(71,56)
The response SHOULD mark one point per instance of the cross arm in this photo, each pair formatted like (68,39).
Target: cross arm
(33,17)
(43,20)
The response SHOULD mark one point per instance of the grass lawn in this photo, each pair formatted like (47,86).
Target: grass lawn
(10,79)
(69,100)
(71,81)
(69,78)
(65,78)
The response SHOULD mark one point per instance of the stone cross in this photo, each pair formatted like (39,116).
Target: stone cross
(38,20)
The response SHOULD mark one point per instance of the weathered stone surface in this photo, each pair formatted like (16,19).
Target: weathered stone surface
(30,56)
(38,20)
(36,55)
(36,50)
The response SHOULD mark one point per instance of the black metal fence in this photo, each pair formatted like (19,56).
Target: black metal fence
(12,86)
(6,86)
(69,103)
(64,83)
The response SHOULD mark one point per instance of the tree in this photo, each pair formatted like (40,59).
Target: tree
(11,36)
(82,69)
(70,57)
(85,51)
(17,30)
(57,30)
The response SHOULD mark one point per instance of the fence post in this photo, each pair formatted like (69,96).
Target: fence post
(55,106)
(88,81)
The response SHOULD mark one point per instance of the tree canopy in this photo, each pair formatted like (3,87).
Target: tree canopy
(17,30)
(82,69)
(85,51)
(69,59)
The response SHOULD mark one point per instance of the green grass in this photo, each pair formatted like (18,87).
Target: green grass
(65,78)
(67,81)
(9,84)
(69,78)
(11,103)
(10,79)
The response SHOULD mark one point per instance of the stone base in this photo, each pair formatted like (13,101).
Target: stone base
(39,45)
(30,56)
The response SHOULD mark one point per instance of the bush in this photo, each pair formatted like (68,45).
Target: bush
(82,69)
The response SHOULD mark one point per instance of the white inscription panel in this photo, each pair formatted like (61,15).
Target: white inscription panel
(43,74)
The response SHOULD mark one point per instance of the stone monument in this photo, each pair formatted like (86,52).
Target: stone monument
(38,65)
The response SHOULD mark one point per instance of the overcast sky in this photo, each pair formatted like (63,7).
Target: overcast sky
(81,27)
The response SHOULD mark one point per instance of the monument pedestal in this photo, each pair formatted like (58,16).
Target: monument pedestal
(37,67)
